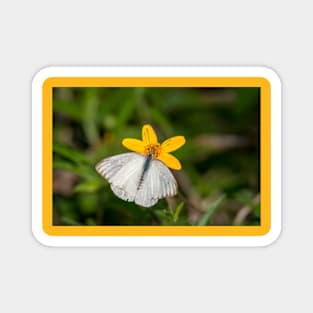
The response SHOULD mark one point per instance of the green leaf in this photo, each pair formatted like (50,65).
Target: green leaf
(204,220)
(88,186)
(90,221)
(67,166)
(69,153)
(80,170)
(90,114)
(127,109)
(163,215)
(69,221)
(68,108)
(177,211)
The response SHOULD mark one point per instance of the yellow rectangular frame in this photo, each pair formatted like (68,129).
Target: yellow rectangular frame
(265,156)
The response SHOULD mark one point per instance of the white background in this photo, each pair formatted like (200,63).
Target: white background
(35,34)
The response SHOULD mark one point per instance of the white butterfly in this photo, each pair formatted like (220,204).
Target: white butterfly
(138,178)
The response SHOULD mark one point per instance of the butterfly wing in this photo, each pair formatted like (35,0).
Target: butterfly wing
(158,182)
(128,180)
(123,172)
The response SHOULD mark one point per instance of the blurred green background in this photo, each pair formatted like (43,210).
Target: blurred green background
(219,182)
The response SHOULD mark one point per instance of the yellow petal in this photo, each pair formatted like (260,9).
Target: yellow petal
(134,145)
(148,135)
(170,161)
(173,143)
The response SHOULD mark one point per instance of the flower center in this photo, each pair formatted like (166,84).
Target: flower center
(153,149)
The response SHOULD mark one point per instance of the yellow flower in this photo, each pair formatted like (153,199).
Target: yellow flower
(149,145)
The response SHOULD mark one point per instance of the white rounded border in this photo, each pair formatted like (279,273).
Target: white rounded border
(157,241)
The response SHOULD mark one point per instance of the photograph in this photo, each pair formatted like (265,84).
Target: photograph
(156,156)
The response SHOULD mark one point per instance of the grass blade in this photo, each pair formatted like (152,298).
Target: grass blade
(205,219)
(69,153)
(177,211)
